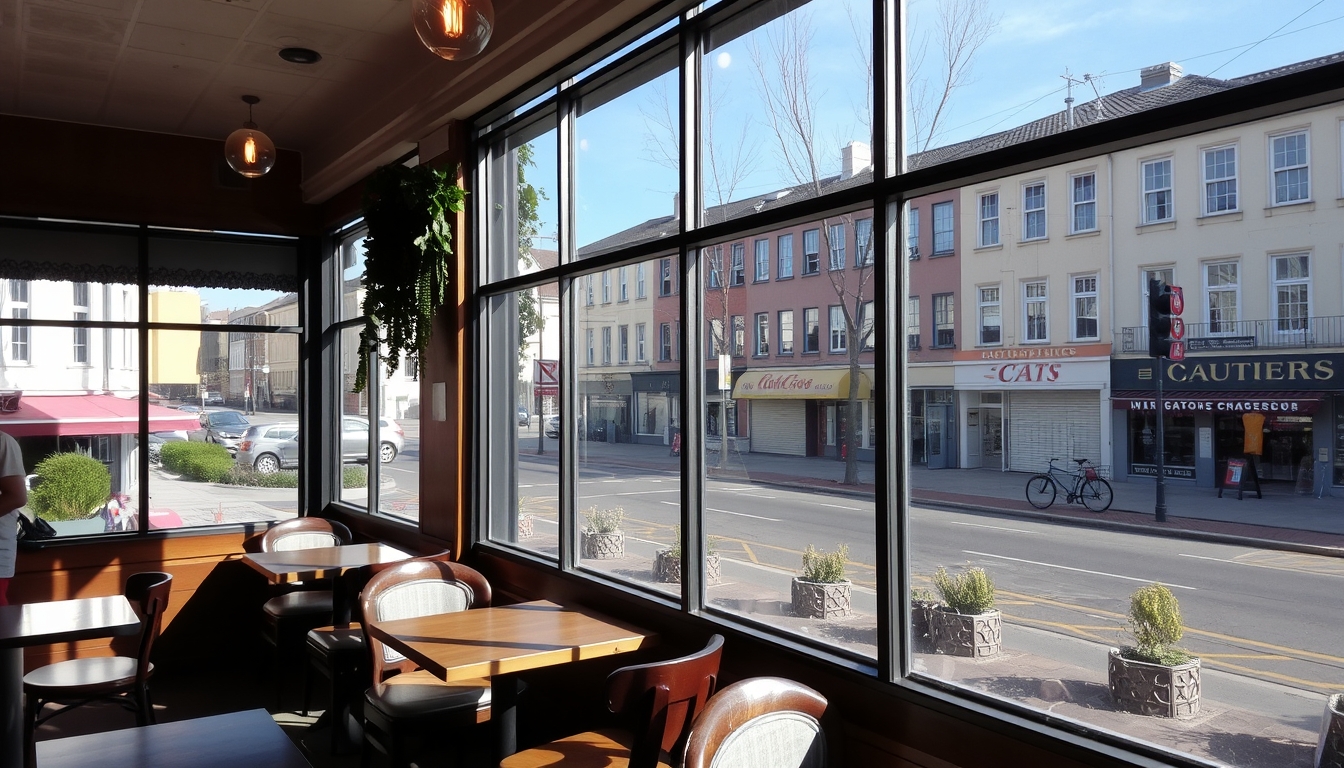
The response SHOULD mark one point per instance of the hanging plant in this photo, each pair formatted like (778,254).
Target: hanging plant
(405,260)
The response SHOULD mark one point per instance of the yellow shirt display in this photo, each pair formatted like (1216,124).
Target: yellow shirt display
(1254,424)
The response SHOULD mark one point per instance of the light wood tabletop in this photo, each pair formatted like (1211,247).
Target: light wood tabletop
(513,638)
(248,738)
(321,562)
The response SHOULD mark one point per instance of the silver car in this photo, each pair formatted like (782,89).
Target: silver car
(355,438)
(223,427)
(270,447)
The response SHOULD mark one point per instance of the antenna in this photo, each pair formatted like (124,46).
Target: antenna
(1068,99)
(1101,100)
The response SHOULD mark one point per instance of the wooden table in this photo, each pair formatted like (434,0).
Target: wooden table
(490,642)
(295,565)
(224,741)
(39,624)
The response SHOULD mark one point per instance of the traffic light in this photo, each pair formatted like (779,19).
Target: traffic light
(1165,327)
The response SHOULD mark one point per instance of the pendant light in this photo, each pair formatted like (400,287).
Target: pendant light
(454,29)
(248,150)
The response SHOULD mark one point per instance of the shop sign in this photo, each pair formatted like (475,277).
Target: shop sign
(796,383)
(1220,342)
(1234,372)
(1186,404)
(1032,374)
(1150,470)
(1034,352)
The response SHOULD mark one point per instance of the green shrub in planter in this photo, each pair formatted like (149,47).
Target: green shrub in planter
(203,462)
(970,592)
(354,477)
(73,487)
(604,520)
(1155,620)
(825,567)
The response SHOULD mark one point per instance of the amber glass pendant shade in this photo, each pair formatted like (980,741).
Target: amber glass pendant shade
(247,150)
(454,29)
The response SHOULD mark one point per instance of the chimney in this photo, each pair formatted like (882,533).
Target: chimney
(1159,75)
(1068,110)
(676,205)
(854,159)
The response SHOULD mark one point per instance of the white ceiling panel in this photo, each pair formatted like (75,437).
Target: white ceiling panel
(53,107)
(353,14)
(228,19)
(120,9)
(286,31)
(69,25)
(253,80)
(181,42)
(261,56)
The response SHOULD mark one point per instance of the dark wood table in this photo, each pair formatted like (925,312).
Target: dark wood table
(39,624)
(250,739)
(296,565)
(497,642)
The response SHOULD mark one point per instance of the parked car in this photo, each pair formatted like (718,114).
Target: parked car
(223,427)
(355,438)
(553,426)
(599,431)
(270,447)
(524,418)
(213,398)
(189,408)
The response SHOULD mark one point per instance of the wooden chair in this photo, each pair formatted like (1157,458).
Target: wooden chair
(761,722)
(659,701)
(291,614)
(405,699)
(79,681)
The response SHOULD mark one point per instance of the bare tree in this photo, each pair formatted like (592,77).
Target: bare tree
(961,28)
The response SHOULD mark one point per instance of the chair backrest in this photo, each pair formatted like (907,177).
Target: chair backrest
(148,592)
(761,722)
(421,586)
(354,580)
(663,698)
(304,533)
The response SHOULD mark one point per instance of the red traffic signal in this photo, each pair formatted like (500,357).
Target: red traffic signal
(1165,327)
(1177,328)
(1177,301)
(1177,350)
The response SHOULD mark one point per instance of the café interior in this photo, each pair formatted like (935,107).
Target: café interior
(114,117)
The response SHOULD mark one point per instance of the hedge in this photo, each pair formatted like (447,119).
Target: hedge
(73,487)
(206,462)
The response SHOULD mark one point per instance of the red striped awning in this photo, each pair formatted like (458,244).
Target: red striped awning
(88,415)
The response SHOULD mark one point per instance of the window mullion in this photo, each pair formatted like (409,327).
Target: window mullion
(692,477)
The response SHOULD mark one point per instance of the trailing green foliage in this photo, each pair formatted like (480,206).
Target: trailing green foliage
(73,487)
(1155,621)
(354,477)
(405,260)
(970,592)
(825,567)
(203,462)
(604,520)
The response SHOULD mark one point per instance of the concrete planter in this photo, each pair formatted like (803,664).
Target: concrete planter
(601,546)
(977,636)
(525,526)
(818,600)
(1330,749)
(667,569)
(1145,688)
(921,637)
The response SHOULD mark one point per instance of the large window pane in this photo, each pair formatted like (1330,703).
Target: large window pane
(789,444)
(524,227)
(398,447)
(351,425)
(628,429)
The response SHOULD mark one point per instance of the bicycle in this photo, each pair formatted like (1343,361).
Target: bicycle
(1087,487)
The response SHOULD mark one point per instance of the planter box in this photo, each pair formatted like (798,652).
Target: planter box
(1145,688)
(976,636)
(667,569)
(524,526)
(1330,749)
(921,637)
(816,600)
(601,546)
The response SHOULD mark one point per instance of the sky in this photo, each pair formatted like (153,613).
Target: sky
(1014,78)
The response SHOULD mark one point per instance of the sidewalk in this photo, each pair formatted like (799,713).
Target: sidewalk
(1282,516)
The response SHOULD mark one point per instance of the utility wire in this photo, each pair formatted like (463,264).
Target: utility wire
(1266,37)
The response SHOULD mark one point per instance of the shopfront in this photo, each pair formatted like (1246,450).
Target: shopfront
(804,411)
(657,406)
(1280,412)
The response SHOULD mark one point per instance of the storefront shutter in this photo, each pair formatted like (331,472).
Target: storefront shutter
(1045,425)
(779,426)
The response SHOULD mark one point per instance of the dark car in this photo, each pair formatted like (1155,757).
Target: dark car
(223,427)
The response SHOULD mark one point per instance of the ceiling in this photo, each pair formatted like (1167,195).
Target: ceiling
(181,66)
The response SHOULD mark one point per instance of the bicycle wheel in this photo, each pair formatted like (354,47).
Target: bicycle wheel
(1097,495)
(1041,491)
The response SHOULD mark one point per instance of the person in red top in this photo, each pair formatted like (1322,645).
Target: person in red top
(13,494)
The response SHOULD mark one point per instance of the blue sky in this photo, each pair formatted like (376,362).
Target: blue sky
(1015,78)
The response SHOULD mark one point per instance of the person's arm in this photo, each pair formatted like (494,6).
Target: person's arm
(13,493)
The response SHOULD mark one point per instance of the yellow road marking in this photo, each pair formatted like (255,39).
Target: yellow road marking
(1314,684)
(750,554)
(1260,656)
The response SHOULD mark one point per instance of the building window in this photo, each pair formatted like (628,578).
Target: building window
(991,315)
(1292,292)
(588,294)
(1163,275)
(640,291)
(623,284)
(1220,180)
(1083,203)
(81,309)
(665,342)
(762,333)
(716,340)
(623,344)
(588,335)
(664,279)
(762,257)
(606,345)
(912,322)
(912,233)
(1222,287)
(944,320)
(944,238)
(639,343)
(1292,177)
(1035,312)
(786,331)
(867,330)
(785,247)
(863,243)
(715,265)
(739,274)
(811,330)
(836,241)
(18,310)
(989,219)
(1157,191)
(606,287)
(1033,211)
(739,336)
(811,251)
(1085,314)
(839,329)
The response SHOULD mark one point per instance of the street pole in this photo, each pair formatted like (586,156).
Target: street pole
(1161,509)
(536,385)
